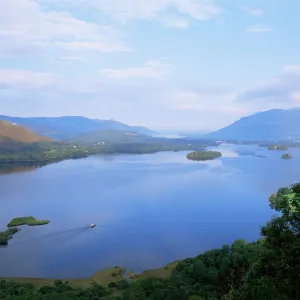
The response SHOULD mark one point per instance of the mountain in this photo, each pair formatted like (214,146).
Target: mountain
(61,128)
(11,132)
(275,124)
(110,135)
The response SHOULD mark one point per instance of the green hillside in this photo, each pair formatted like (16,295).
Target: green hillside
(110,136)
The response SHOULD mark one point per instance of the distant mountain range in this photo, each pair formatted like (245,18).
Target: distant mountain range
(11,132)
(275,124)
(61,128)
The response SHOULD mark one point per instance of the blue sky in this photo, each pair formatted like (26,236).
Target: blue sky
(165,64)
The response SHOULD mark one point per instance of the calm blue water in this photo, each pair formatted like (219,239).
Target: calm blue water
(150,209)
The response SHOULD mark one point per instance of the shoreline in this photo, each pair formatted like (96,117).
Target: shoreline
(103,277)
(55,160)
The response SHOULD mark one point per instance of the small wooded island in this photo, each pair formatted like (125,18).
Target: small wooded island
(6,235)
(203,155)
(286,156)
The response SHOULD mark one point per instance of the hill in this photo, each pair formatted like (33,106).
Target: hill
(11,132)
(275,124)
(61,128)
(109,136)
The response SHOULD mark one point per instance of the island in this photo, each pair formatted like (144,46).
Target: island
(30,221)
(286,156)
(203,155)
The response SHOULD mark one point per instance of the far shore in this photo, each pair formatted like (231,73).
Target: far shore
(46,162)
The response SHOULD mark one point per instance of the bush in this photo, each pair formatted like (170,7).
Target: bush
(112,284)
(58,282)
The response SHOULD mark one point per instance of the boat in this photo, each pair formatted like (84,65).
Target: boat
(93,225)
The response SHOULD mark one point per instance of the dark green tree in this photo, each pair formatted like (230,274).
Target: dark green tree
(276,273)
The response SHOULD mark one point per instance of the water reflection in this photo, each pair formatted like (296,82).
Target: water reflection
(7,168)
(227,151)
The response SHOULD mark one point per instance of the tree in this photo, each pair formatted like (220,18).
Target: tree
(276,274)
(239,244)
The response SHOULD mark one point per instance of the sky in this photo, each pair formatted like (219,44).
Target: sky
(188,65)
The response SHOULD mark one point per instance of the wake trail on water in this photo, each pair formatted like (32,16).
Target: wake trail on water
(69,232)
(56,247)
(59,238)
(52,260)
(75,230)
(84,240)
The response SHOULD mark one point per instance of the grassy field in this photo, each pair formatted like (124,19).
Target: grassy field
(163,272)
(102,277)
(30,221)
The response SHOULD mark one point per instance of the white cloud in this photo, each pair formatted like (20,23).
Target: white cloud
(172,20)
(259,29)
(48,27)
(186,100)
(204,100)
(251,11)
(71,58)
(157,10)
(27,26)
(94,46)
(167,105)
(151,69)
(31,81)
(24,79)
(292,69)
(281,92)
(295,96)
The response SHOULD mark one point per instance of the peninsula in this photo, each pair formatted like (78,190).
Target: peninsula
(203,155)
(7,235)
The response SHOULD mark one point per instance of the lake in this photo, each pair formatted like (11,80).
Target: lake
(149,209)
